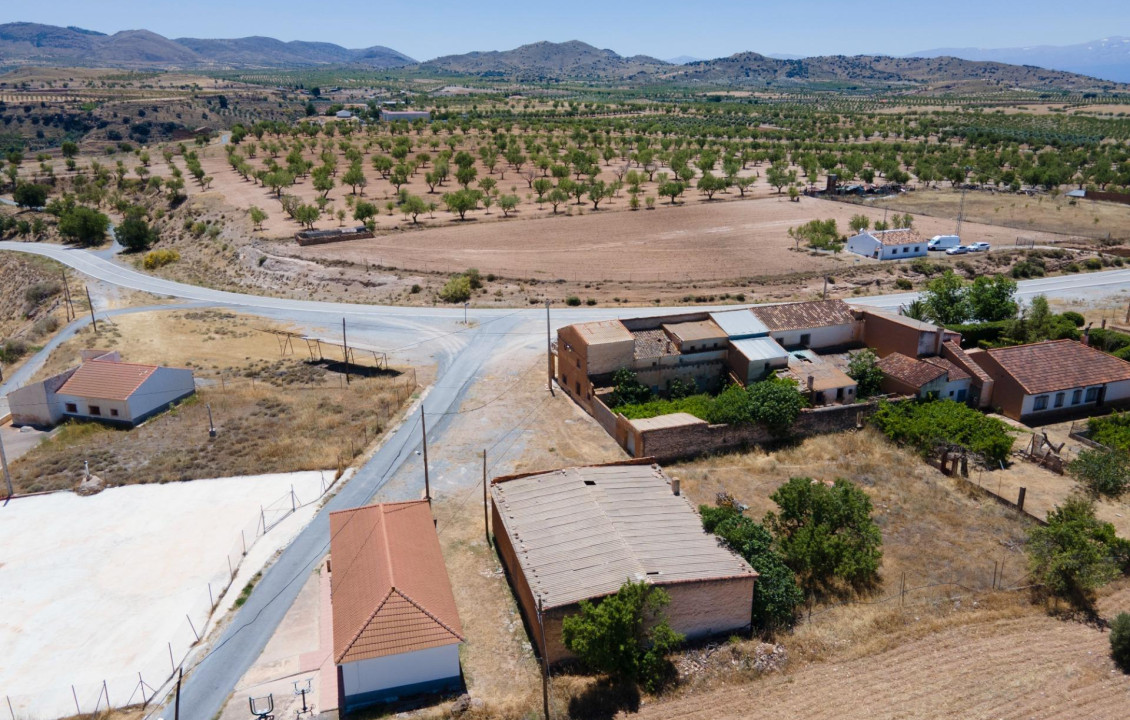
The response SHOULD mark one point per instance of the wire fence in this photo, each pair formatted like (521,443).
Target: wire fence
(154,679)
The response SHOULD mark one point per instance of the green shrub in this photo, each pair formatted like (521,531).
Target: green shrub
(1074,317)
(1112,430)
(456,290)
(1093,264)
(12,350)
(1075,553)
(904,284)
(1103,473)
(572,301)
(1109,340)
(41,291)
(1120,641)
(929,424)
(160,258)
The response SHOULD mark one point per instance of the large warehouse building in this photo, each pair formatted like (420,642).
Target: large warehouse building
(580,533)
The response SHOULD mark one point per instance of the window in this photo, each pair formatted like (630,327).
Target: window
(1076,397)
(1041,403)
(806,339)
(95,410)
(1092,394)
(906,250)
(917,248)
(578,363)
(72,408)
(1059,399)
(961,395)
(113,412)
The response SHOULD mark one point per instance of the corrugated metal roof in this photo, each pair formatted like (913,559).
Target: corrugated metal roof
(759,349)
(105,380)
(740,323)
(389,586)
(581,533)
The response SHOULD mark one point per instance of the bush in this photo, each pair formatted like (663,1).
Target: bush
(629,390)
(28,195)
(45,325)
(1093,264)
(1120,641)
(1112,430)
(12,350)
(778,596)
(160,258)
(904,284)
(927,425)
(135,235)
(1074,317)
(775,403)
(456,290)
(1102,472)
(84,225)
(572,301)
(864,369)
(41,291)
(625,635)
(981,334)
(826,534)
(1074,554)
(1109,340)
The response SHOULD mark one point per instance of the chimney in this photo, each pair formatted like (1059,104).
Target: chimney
(940,336)
(675,486)
(1087,335)
(810,383)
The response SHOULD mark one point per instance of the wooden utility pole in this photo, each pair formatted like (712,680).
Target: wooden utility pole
(67,294)
(548,349)
(486,507)
(91,303)
(176,706)
(424,434)
(8,475)
(345,352)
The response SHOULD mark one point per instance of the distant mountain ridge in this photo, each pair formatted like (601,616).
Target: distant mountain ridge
(1108,58)
(33,43)
(572,59)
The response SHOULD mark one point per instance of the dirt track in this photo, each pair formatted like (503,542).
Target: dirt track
(1033,667)
(721,240)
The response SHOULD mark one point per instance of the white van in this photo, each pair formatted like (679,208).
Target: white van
(943,242)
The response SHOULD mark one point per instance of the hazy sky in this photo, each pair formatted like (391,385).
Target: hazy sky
(662,28)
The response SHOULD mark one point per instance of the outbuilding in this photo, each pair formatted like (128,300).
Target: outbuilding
(580,533)
(899,244)
(396,630)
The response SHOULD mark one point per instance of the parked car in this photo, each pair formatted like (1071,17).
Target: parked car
(979,247)
(943,242)
(959,250)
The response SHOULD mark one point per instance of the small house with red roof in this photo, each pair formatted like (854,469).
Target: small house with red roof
(102,388)
(396,629)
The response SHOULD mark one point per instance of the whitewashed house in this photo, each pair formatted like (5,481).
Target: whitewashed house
(888,244)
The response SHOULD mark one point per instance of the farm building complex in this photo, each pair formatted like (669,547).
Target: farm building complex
(102,388)
(580,533)
(396,630)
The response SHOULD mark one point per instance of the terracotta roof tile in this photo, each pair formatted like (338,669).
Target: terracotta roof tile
(901,236)
(107,380)
(955,372)
(1059,365)
(389,586)
(914,373)
(798,316)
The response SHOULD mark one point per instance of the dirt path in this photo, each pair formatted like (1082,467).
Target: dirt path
(1027,668)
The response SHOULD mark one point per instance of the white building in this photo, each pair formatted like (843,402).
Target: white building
(396,629)
(818,325)
(102,388)
(888,244)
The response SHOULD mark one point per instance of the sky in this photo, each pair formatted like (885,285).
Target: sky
(426,29)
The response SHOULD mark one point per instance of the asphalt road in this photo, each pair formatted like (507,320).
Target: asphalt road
(460,352)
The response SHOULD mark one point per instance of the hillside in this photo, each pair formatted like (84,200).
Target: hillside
(36,44)
(1108,58)
(572,60)
(944,73)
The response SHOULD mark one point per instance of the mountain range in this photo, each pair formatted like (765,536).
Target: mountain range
(1108,58)
(32,43)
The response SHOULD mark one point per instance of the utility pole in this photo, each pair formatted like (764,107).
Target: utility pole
(67,294)
(424,433)
(345,351)
(486,511)
(548,350)
(211,425)
(91,303)
(176,707)
(8,475)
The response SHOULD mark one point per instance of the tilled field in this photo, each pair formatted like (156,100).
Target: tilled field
(1031,668)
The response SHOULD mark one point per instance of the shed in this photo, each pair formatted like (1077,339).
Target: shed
(580,533)
(751,359)
(739,324)
(820,324)
(396,630)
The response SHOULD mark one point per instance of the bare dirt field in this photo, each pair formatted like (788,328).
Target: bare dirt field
(1028,216)
(1028,667)
(703,241)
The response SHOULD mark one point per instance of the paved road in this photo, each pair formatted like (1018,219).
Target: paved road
(459,351)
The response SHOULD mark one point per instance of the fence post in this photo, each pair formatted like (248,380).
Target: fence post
(186,617)
(106,692)
(78,710)
(171,661)
(1020,499)
(10,710)
(211,602)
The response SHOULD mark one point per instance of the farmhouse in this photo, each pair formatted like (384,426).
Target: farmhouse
(1045,380)
(820,325)
(928,377)
(580,533)
(102,388)
(396,630)
(888,244)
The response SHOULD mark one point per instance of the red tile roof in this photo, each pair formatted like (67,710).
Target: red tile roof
(1059,365)
(900,236)
(802,315)
(914,373)
(965,361)
(106,380)
(955,371)
(389,586)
